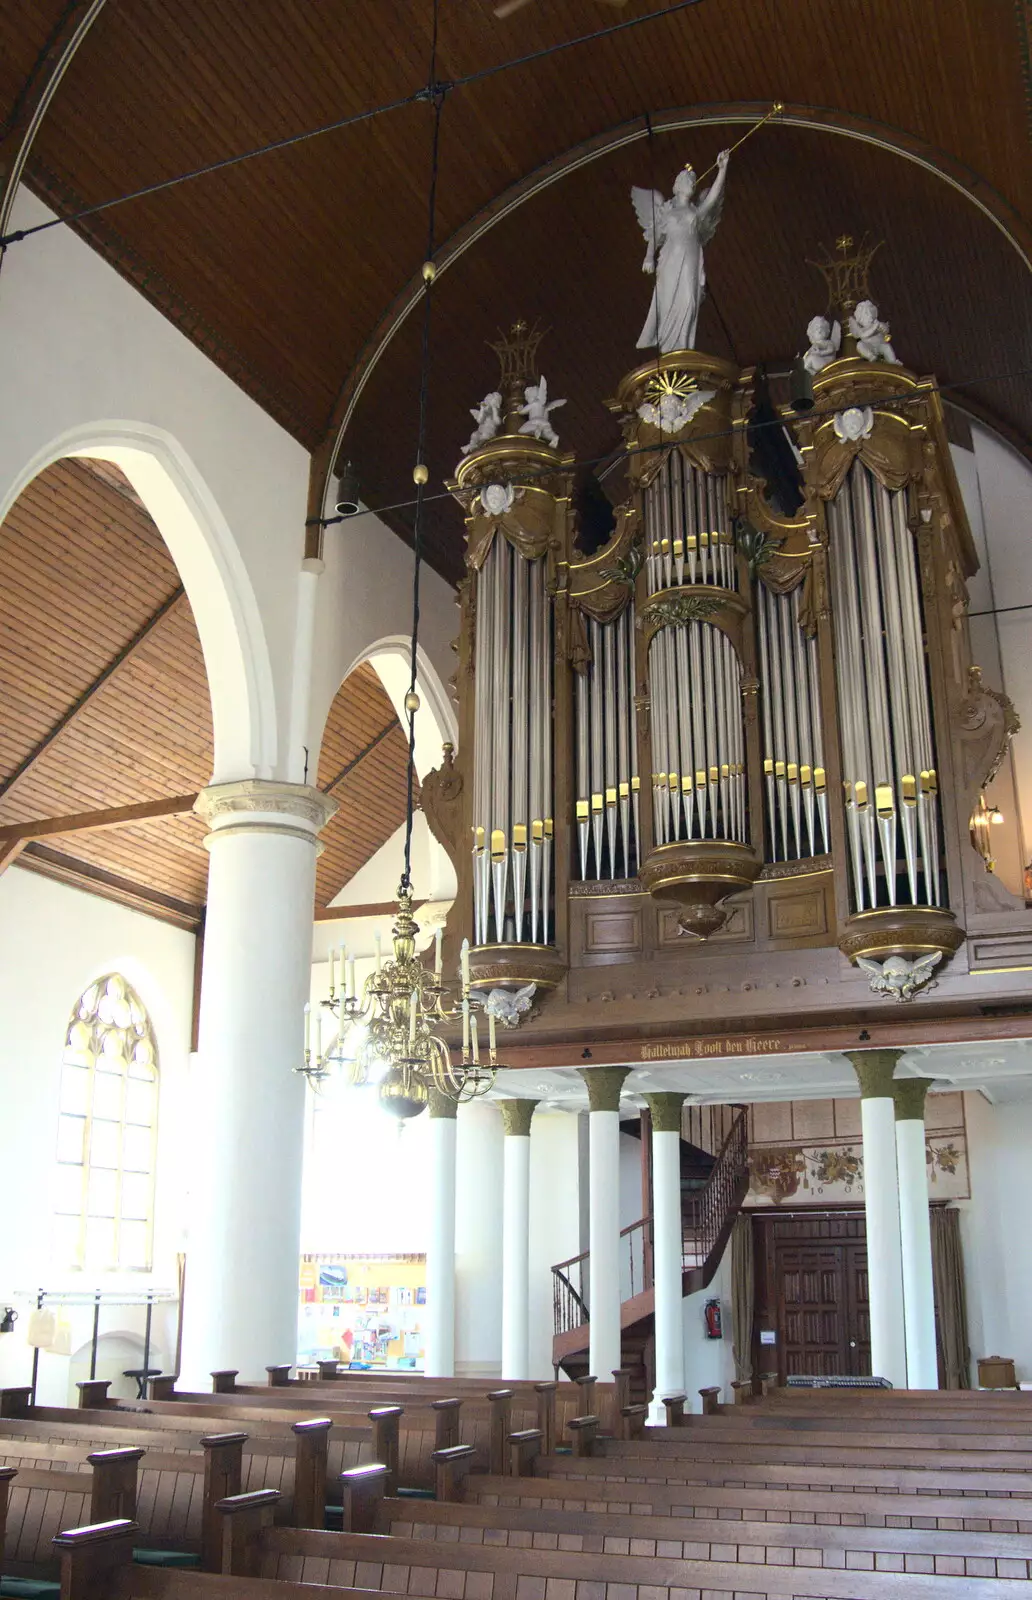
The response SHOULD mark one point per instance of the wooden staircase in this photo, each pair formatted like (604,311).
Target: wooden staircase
(713,1187)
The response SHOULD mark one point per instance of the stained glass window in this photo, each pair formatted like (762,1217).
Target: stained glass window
(106,1133)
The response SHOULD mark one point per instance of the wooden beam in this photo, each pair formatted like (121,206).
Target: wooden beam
(10,851)
(84,821)
(173,599)
(350,766)
(380,908)
(110,886)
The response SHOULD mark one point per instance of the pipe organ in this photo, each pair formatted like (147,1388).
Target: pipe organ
(757,730)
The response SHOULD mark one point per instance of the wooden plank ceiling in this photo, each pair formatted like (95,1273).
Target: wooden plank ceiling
(89,589)
(280,267)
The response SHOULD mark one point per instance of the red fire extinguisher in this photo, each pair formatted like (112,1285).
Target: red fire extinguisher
(712,1316)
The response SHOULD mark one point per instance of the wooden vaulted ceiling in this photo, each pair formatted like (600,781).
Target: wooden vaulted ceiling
(282,266)
(106,705)
(286,268)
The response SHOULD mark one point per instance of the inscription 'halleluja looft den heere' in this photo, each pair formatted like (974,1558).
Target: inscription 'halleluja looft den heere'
(689,1049)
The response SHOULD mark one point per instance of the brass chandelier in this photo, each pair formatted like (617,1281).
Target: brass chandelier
(389,1037)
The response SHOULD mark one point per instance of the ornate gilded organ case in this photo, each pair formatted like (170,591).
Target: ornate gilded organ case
(725,766)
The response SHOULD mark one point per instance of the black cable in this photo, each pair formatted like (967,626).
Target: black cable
(612,461)
(436,94)
(431,92)
(998,611)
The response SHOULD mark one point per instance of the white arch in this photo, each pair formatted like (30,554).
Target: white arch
(436,721)
(201,544)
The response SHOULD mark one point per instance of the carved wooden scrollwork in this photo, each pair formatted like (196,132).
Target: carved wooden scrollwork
(441,801)
(988,722)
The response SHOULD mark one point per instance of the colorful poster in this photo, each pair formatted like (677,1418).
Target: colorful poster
(362,1310)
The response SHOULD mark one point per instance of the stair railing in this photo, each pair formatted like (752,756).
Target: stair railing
(706,1212)
(706,1216)
(570,1293)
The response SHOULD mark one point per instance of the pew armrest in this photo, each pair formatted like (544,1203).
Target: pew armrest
(386,1421)
(113,1493)
(452,1467)
(674,1405)
(742,1389)
(583,1434)
(279,1376)
(446,1422)
(524,1449)
(240,1519)
(93,1393)
(632,1420)
(710,1400)
(90,1555)
(223,1380)
(363,1489)
(15,1402)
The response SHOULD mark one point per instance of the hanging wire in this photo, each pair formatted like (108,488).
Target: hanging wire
(435,94)
(430,92)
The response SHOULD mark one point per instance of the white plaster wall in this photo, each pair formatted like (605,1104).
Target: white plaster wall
(478,1241)
(708,1361)
(53,942)
(996,485)
(366,1177)
(365,596)
(997,1261)
(554,1222)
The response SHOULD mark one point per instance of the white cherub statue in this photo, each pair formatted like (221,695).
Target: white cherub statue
(537,411)
(871,334)
(488,418)
(825,342)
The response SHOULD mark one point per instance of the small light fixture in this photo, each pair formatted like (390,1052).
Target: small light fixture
(800,392)
(995,815)
(347,492)
(8,1320)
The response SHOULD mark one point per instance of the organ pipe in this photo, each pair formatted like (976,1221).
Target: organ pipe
(889,775)
(607,769)
(793,767)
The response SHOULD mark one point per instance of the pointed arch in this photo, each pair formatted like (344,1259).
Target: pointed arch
(201,544)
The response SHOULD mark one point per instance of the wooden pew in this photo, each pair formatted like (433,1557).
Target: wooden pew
(756,1501)
(855,1545)
(509,1571)
(96,1564)
(777,1474)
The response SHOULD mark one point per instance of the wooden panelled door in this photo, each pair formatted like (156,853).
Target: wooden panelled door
(811,1291)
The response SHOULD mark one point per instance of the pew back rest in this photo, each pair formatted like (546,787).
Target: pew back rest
(41,1503)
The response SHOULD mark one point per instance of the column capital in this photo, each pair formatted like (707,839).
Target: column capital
(666,1111)
(909,1095)
(442,1105)
(874,1069)
(516,1115)
(260,805)
(604,1085)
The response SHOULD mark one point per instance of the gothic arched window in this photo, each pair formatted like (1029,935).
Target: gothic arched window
(107,1131)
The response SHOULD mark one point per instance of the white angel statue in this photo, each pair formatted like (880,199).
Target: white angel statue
(825,342)
(677,228)
(538,411)
(871,334)
(488,418)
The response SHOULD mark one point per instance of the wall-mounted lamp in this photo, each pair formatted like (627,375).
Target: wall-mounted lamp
(8,1320)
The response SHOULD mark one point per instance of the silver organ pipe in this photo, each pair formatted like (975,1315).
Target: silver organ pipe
(607,752)
(512,732)
(888,760)
(793,750)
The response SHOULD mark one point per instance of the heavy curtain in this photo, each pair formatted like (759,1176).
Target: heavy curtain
(951,1331)
(743,1295)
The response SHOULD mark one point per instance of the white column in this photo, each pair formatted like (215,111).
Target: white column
(439,1356)
(516,1116)
(604,1085)
(915,1231)
(667,1249)
(874,1069)
(247,1128)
